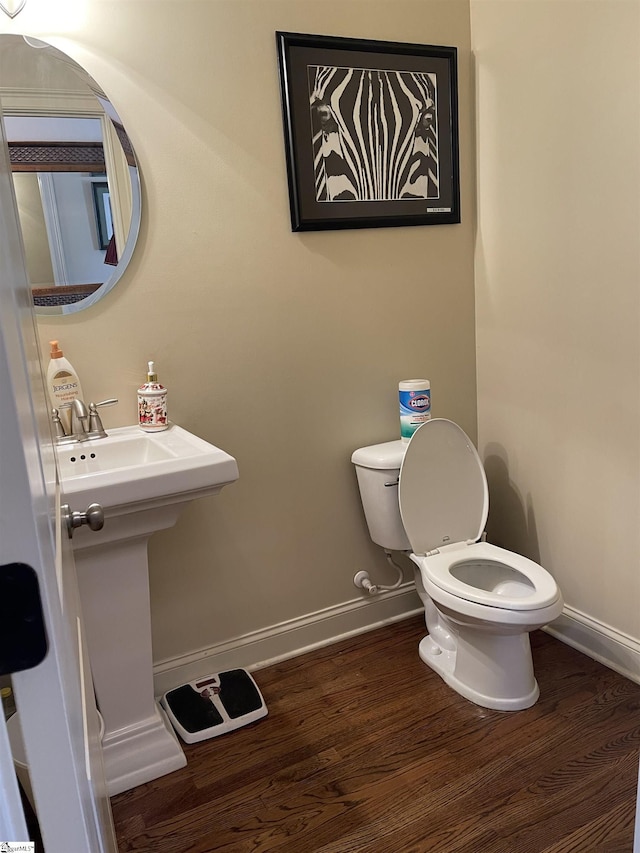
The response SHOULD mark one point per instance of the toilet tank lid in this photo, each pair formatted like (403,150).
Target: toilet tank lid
(383,456)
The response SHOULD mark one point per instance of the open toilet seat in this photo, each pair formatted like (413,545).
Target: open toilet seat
(444,503)
(488,575)
(459,600)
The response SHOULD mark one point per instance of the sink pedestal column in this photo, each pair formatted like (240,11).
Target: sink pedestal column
(139,744)
(143,481)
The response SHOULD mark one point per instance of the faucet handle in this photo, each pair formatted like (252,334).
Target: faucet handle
(58,427)
(96,430)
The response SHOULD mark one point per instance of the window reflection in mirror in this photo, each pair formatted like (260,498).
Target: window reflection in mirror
(75,175)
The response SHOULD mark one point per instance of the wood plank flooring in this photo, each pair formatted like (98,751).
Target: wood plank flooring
(366,750)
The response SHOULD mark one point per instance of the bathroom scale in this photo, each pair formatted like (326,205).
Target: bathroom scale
(214,705)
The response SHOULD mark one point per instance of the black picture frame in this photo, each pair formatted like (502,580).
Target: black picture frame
(102,209)
(371,132)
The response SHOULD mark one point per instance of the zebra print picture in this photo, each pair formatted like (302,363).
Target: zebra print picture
(371,132)
(374,134)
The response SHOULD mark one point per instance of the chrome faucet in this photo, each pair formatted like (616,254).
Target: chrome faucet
(85,423)
(79,418)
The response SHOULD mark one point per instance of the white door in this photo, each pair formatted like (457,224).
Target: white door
(636,836)
(55,699)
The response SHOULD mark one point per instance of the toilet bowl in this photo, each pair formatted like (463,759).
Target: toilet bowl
(429,497)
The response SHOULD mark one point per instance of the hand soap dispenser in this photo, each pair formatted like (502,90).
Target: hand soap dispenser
(152,403)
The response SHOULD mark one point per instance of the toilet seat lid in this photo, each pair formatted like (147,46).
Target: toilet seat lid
(443,490)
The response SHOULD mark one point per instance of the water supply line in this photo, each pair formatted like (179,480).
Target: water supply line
(363,581)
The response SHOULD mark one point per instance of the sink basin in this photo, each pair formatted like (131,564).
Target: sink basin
(132,466)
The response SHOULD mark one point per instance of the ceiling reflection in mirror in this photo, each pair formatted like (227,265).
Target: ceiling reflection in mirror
(75,176)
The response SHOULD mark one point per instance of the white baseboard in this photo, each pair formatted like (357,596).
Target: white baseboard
(599,641)
(288,639)
(258,649)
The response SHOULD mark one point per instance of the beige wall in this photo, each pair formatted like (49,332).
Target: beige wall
(284,349)
(558,284)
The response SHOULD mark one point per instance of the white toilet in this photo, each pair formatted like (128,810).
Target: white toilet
(429,497)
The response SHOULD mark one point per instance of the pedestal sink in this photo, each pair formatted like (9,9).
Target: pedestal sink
(143,481)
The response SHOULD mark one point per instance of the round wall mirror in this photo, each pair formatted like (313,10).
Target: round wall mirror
(75,175)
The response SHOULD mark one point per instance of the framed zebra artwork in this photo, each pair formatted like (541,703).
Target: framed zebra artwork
(371,132)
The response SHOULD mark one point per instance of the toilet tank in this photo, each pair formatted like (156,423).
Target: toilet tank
(378,469)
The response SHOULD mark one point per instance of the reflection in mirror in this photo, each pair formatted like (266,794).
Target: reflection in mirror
(74,172)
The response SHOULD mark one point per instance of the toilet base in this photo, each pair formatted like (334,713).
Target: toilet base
(513,686)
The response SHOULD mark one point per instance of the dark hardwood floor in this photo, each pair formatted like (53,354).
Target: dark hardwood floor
(366,749)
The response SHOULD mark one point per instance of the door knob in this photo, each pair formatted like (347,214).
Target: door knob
(93,517)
